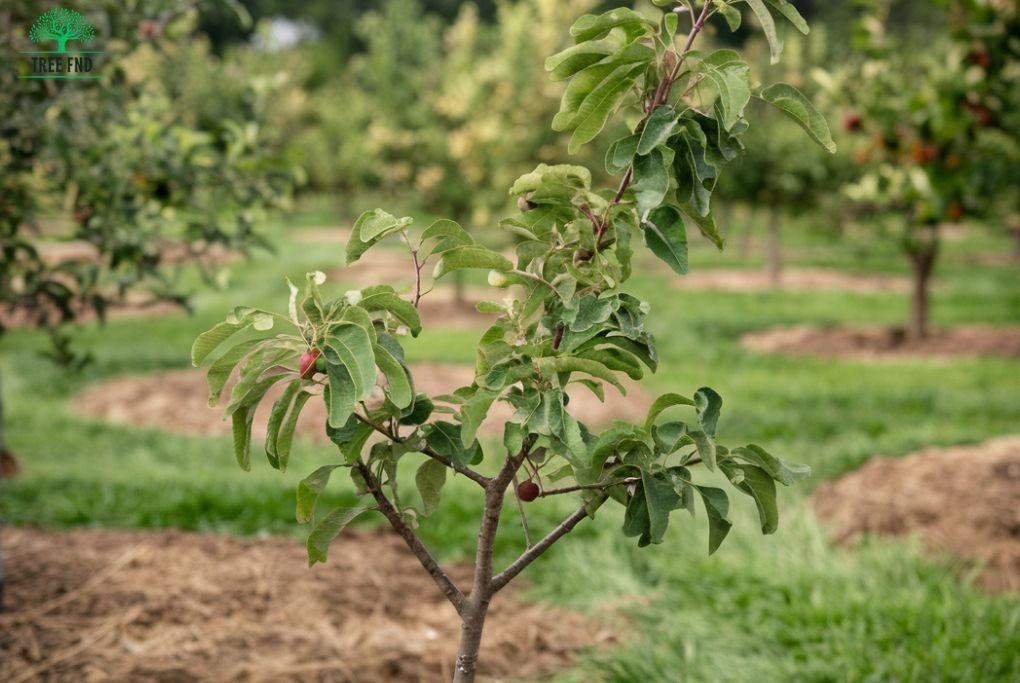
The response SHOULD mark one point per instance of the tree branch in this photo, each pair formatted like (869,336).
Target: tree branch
(532,553)
(588,487)
(444,582)
(479,479)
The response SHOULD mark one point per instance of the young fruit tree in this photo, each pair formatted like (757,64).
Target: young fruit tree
(564,319)
(938,129)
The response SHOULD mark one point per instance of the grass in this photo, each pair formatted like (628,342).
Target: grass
(787,607)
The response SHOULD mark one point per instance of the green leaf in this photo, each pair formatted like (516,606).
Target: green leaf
(730,14)
(792,15)
(706,224)
(706,447)
(350,437)
(708,404)
(666,237)
(350,345)
(660,500)
(473,413)
(243,325)
(695,176)
(786,473)
(756,483)
(658,129)
(448,234)
(342,395)
(286,437)
(592,26)
(549,367)
(620,154)
(731,77)
(717,505)
(429,479)
(371,227)
(662,403)
(768,27)
(327,529)
(385,298)
(597,107)
(460,258)
(651,181)
(242,417)
(635,519)
(794,104)
(220,371)
(308,491)
(567,63)
(398,385)
(444,439)
(420,411)
(276,416)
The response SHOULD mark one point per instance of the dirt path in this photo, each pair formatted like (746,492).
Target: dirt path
(173,607)
(964,501)
(881,343)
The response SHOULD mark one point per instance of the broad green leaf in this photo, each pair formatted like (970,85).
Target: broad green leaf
(666,237)
(730,75)
(565,64)
(616,360)
(220,371)
(786,473)
(768,27)
(651,181)
(794,104)
(717,505)
(215,343)
(242,417)
(576,92)
(448,234)
(460,258)
(276,416)
(635,519)
(420,411)
(385,298)
(348,344)
(429,479)
(327,529)
(595,26)
(730,14)
(308,491)
(662,403)
(660,500)
(695,176)
(252,386)
(706,447)
(473,413)
(398,386)
(350,437)
(371,227)
(644,352)
(286,437)
(670,436)
(594,112)
(444,439)
(658,129)
(756,483)
(706,224)
(620,154)
(792,15)
(557,364)
(708,404)
(342,395)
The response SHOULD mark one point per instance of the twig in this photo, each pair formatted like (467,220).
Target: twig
(524,517)
(392,515)
(588,487)
(532,553)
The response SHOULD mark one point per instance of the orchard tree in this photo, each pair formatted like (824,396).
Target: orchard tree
(564,319)
(930,124)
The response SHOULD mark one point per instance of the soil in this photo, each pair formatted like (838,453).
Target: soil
(792,280)
(174,607)
(964,501)
(176,401)
(880,343)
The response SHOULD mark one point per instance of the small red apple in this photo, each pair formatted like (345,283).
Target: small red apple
(306,366)
(528,491)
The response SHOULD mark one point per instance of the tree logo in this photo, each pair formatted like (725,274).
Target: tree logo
(61,25)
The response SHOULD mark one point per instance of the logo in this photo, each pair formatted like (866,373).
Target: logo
(61,26)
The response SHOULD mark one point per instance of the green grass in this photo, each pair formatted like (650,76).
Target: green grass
(786,607)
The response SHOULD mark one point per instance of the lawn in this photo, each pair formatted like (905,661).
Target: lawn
(785,607)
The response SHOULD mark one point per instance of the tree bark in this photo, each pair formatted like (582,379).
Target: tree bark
(472,624)
(775,248)
(923,262)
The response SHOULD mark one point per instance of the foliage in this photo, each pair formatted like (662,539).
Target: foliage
(566,321)
(141,174)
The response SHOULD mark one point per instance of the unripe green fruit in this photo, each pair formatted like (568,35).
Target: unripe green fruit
(320,364)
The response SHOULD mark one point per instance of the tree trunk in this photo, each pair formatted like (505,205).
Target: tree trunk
(472,623)
(775,248)
(923,262)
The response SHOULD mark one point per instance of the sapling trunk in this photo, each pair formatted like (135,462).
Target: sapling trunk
(923,262)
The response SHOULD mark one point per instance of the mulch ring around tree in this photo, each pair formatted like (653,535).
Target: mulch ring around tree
(176,401)
(792,280)
(171,606)
(964,501)
(882,343)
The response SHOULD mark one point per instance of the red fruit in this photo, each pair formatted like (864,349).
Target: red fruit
(852,122)
(149,28)
(528,491)
(306,366)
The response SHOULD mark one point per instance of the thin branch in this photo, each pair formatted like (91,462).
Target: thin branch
(524,517)
(417,277)
(588,487)
(479,479)
(532,553)
(392,515)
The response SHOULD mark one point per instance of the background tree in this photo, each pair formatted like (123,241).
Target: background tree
(568,321)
